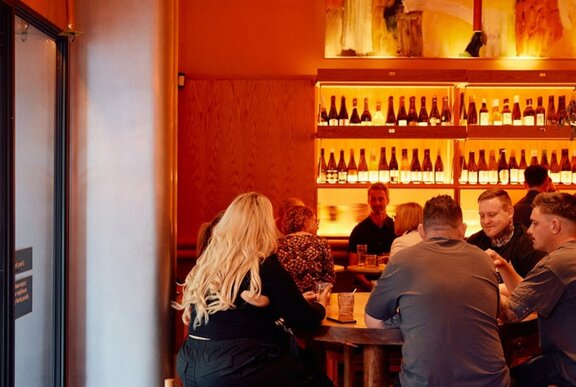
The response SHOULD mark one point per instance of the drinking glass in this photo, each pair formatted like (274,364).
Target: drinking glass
(361,250)
(370,260)
(320,287)
(346,305)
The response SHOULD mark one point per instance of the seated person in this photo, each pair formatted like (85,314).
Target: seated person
(446,294)
(536,180)
(376,231)
(408,217)
(500,234)
(303,254)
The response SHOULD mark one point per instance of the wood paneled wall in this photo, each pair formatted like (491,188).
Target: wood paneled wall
(242,135)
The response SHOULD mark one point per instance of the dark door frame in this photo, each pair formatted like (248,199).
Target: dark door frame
(9,9)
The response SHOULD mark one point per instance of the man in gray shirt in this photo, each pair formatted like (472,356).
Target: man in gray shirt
(549,290)
(446,294)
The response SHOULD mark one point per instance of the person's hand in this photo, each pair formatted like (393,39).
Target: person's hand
(499,262)
(324,297)
(260,301)
(310,296)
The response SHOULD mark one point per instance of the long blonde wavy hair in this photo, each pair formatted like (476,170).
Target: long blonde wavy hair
(240,241)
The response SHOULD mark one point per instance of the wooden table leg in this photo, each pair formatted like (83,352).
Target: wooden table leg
(376,366)
(348,373)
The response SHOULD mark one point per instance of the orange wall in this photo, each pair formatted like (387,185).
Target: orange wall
(53,10)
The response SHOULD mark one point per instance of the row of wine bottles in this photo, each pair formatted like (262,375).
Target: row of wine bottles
(483,171)
(496,115)
(386,172)
(510,171)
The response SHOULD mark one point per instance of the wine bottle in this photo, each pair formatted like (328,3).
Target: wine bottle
(343,118)
(412,115)
(554,171)
(402,119)
(562,113)
(573,162)
(446,117)
(484,113)
(404,167)
(472,169)
(534,157)
(394,170)
(332,169)
(415,168)
(463,115)
(540,113)
(366,117)
(342,169)
(372,168)
(552,116)
(522,167)
(423,115)
(321,174)
(495,116)
(434,112)
(362,168)
(383,168)
(506,113)
(483,174)
(492,168)
(333,113)
(438,169)
(472,113)
(565,168)
(513,165)
(544,159)
(516,113)
(427,168)
(463,179)
(322,114)
(390,115)
(529,115)
(503,169)
(378,118)
(355,117)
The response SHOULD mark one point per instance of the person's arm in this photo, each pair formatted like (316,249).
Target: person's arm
(509,275)
(372,322)
(506,312)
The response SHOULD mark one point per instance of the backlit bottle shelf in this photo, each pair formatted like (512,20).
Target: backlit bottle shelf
(392,132)
(389,185)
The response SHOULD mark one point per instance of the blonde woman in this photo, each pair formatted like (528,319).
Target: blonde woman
(408,217)
(232,338)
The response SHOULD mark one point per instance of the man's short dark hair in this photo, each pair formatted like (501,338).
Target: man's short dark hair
(535,175)
(560,204)
(496,193)
(379,186)
(442,211)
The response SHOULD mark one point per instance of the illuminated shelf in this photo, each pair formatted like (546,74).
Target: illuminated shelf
(392,132)
(509,186)
(536,132)
(389,185)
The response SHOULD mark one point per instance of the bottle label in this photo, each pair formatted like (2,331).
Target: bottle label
(384,176)
(405,176)
(331,176)
(439,177)
(416,176)
(333,122)
(342,177)
(366,123)
(402,123)
(540,120)
(344,121)
(506,118)
(434,121)
(463,176)
(504,176)
(484,119)
(573,177)
(428,177)
(363,176)
(473,177)
(517,123)
(321,178)
(323,123)
(520,176)
(497,123)
(425,123)
(352,177)
(394,176)
(493,177)
(528,120)
(484,177)
(555,177)
(513,176)
(373,176)
(566,177)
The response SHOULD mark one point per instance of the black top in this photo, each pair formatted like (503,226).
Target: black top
(519,250)
(378,239)
(247,321)
(523,208)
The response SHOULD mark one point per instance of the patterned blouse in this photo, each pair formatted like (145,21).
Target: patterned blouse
(307,258)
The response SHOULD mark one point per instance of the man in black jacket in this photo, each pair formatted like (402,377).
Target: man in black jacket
(536,180)
(500,234)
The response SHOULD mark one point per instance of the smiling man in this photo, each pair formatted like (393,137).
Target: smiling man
(500,234)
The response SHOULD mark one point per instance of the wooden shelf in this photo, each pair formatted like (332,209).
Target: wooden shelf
(389,185)
(392,132)
(519,132)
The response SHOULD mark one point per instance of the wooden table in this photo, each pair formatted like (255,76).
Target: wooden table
(363,269)
(378,342)
(339,268)
(375,342)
